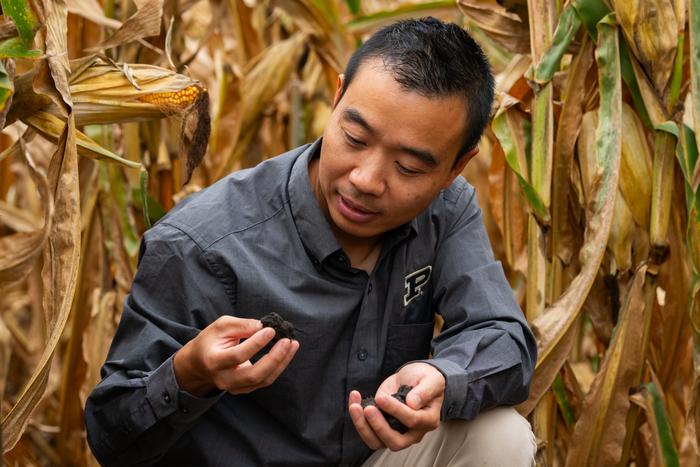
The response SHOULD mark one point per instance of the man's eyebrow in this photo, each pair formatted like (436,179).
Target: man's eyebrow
(423,155)
(354,116)
(426,157)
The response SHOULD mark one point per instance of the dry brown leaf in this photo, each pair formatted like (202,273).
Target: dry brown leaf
(635,167)
(266,76)
(567,132)
(508,211)
(621,236)
(19,251)
(144,23)
(56,63)
(690,439)
(5,353)
(651,30)
(329,41)
(600,430)
(61,259)
(92,10)
(504,27)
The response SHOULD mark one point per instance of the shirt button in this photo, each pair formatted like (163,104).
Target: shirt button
(369,288)
(343,259)
(184,410)
(450,410)
(166,397)
(362,355)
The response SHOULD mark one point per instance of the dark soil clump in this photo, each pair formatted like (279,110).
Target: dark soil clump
(283,329)
(400,395)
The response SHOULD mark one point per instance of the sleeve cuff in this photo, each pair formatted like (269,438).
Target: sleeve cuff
(456,384)
(168,400)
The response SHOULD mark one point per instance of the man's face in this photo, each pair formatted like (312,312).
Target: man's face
(386,154)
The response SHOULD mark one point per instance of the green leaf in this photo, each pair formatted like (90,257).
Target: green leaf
(22,15)
(563,401)
(354,6)
(6,87)
(677,76)
(668,448)
(591,12)
(631,81)
(377,19)
(569,24)
(694,29)
(152,209)
(15,47)
(507,138)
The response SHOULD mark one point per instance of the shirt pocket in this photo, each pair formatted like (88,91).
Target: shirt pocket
(405,343)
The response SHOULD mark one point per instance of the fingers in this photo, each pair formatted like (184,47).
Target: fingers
(386,435)
(266,370)
(236,328)
(357,415)
(425,419)
(244,351)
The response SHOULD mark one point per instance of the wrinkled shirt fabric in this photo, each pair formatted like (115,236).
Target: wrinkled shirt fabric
(257,242)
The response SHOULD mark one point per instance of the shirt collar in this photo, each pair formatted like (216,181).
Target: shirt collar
(311,222)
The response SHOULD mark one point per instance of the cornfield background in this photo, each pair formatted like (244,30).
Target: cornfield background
(587,175)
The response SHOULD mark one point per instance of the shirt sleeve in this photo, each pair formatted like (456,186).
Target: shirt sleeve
(138,411)
(486,351)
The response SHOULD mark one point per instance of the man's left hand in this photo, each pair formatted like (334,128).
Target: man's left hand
(420,414)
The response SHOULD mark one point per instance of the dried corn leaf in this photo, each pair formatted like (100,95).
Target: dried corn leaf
(144,23)
(93,11)
(55,14)
(651,30)
(61,259)
(5,354)
(554,327)
(600,430)
(635,167)
(621,236)
(51,127)
(504,27)
(568,130)
(19,251)
(323,28)
(651,399)
(378,19)
(694,30)
(265,78)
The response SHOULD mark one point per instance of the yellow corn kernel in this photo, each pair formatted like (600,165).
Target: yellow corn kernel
(175,100)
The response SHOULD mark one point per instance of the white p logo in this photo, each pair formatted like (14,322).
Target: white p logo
(415,282)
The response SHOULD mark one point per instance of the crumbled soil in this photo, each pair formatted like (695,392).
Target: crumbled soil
(400,395)
(283,329)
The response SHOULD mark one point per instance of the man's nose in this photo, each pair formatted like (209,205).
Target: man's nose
(369,176)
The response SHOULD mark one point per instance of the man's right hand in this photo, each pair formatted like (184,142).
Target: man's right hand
(217,359)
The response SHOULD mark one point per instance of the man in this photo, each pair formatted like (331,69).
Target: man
(357,239)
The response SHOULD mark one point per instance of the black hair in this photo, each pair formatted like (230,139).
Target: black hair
(435,59)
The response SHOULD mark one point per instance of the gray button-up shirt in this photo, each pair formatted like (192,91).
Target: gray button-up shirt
(257,242)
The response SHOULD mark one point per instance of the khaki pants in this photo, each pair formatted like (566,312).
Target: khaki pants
(497,437)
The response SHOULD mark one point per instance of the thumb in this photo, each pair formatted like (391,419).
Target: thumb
(424,392)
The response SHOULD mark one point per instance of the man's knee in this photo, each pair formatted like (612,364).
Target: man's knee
(499,436)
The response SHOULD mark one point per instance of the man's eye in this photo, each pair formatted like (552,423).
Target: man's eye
(353,141)
(405,170)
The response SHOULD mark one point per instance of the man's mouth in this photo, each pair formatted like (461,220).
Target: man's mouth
(355,211)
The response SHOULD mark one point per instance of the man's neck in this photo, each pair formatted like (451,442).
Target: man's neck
(363,253)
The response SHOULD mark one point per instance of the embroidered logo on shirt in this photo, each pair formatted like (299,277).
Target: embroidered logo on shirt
(415,282)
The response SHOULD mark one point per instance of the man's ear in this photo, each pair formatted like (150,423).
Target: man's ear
(461,164)
(339,91)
